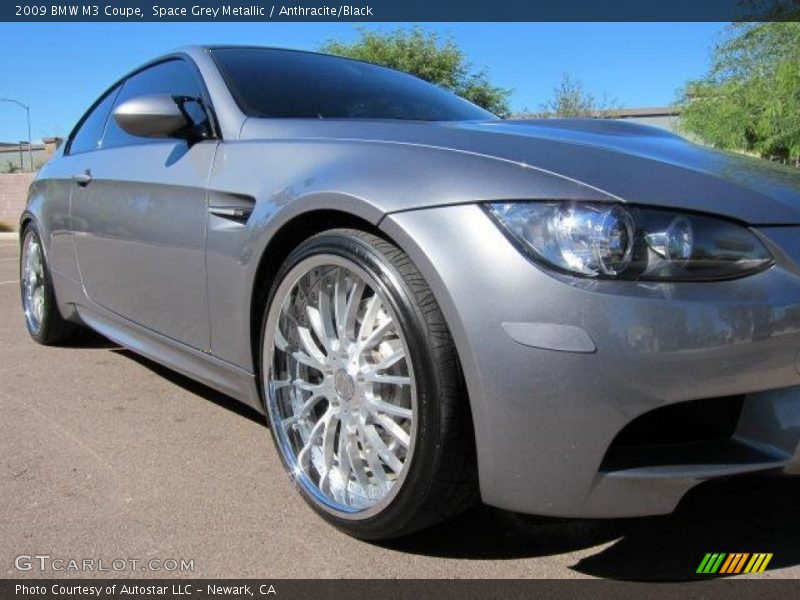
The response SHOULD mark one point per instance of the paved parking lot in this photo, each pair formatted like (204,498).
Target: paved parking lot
(104,455)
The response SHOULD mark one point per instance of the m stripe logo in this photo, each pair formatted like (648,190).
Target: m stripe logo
(734,563)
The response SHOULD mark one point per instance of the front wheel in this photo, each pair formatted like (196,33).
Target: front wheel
(363,388)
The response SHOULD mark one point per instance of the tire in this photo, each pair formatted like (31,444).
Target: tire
(371,478)
(42,317)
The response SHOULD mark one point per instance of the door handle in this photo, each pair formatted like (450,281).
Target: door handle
(83,178)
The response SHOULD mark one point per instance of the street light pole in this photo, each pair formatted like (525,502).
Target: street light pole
(30,139)
(28,115)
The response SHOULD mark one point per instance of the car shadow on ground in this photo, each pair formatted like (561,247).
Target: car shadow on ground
(751,514)
(745,514)
(90,340)
(195,387)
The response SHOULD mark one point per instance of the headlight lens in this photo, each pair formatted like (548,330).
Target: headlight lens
(624,242)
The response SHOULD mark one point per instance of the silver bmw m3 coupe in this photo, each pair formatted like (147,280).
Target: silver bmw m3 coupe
(430,305)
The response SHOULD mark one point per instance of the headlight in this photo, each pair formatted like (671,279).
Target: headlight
(624,242)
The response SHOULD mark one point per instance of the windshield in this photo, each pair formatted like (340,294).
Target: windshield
(290,84)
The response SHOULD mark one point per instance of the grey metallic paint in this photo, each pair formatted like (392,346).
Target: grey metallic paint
(555,365)
(151,116)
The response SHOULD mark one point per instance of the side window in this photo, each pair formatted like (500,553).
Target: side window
(174,77)
(90,131)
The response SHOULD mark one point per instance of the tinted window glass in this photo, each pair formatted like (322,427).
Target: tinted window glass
(285,83)
(174,77)
(90,132)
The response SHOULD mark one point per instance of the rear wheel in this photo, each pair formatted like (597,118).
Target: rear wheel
(363,388)
(42,318)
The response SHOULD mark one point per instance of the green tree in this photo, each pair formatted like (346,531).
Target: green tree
(428,56)
(570,100)
(750,98)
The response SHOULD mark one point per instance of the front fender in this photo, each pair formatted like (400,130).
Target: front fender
(284,179)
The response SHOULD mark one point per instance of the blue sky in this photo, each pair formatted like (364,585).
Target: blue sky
(60,68)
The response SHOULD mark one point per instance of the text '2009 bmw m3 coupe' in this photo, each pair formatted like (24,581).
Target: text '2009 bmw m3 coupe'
(431,305)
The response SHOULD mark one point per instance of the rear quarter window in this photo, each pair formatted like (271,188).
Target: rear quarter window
(89,134)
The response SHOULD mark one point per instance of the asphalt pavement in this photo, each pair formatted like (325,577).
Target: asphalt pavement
(106,456)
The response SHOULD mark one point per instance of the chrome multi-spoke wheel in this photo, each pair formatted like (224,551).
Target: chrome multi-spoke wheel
(32,280)
(44,322)
(340,386)
(363,389)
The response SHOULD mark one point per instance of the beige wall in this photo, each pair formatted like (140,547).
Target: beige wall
(15,158)
(13,193)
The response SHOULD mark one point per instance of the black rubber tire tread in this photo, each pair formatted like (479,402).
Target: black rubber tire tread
(54,329)
(448,485)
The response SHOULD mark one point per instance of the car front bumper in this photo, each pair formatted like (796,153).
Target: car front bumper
(557,367)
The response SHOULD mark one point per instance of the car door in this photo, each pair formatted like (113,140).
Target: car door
(139,215)
(56,184)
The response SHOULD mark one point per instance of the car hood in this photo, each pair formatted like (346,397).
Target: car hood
(634,163)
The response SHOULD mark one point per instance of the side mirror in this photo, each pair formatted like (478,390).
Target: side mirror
(157,116)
